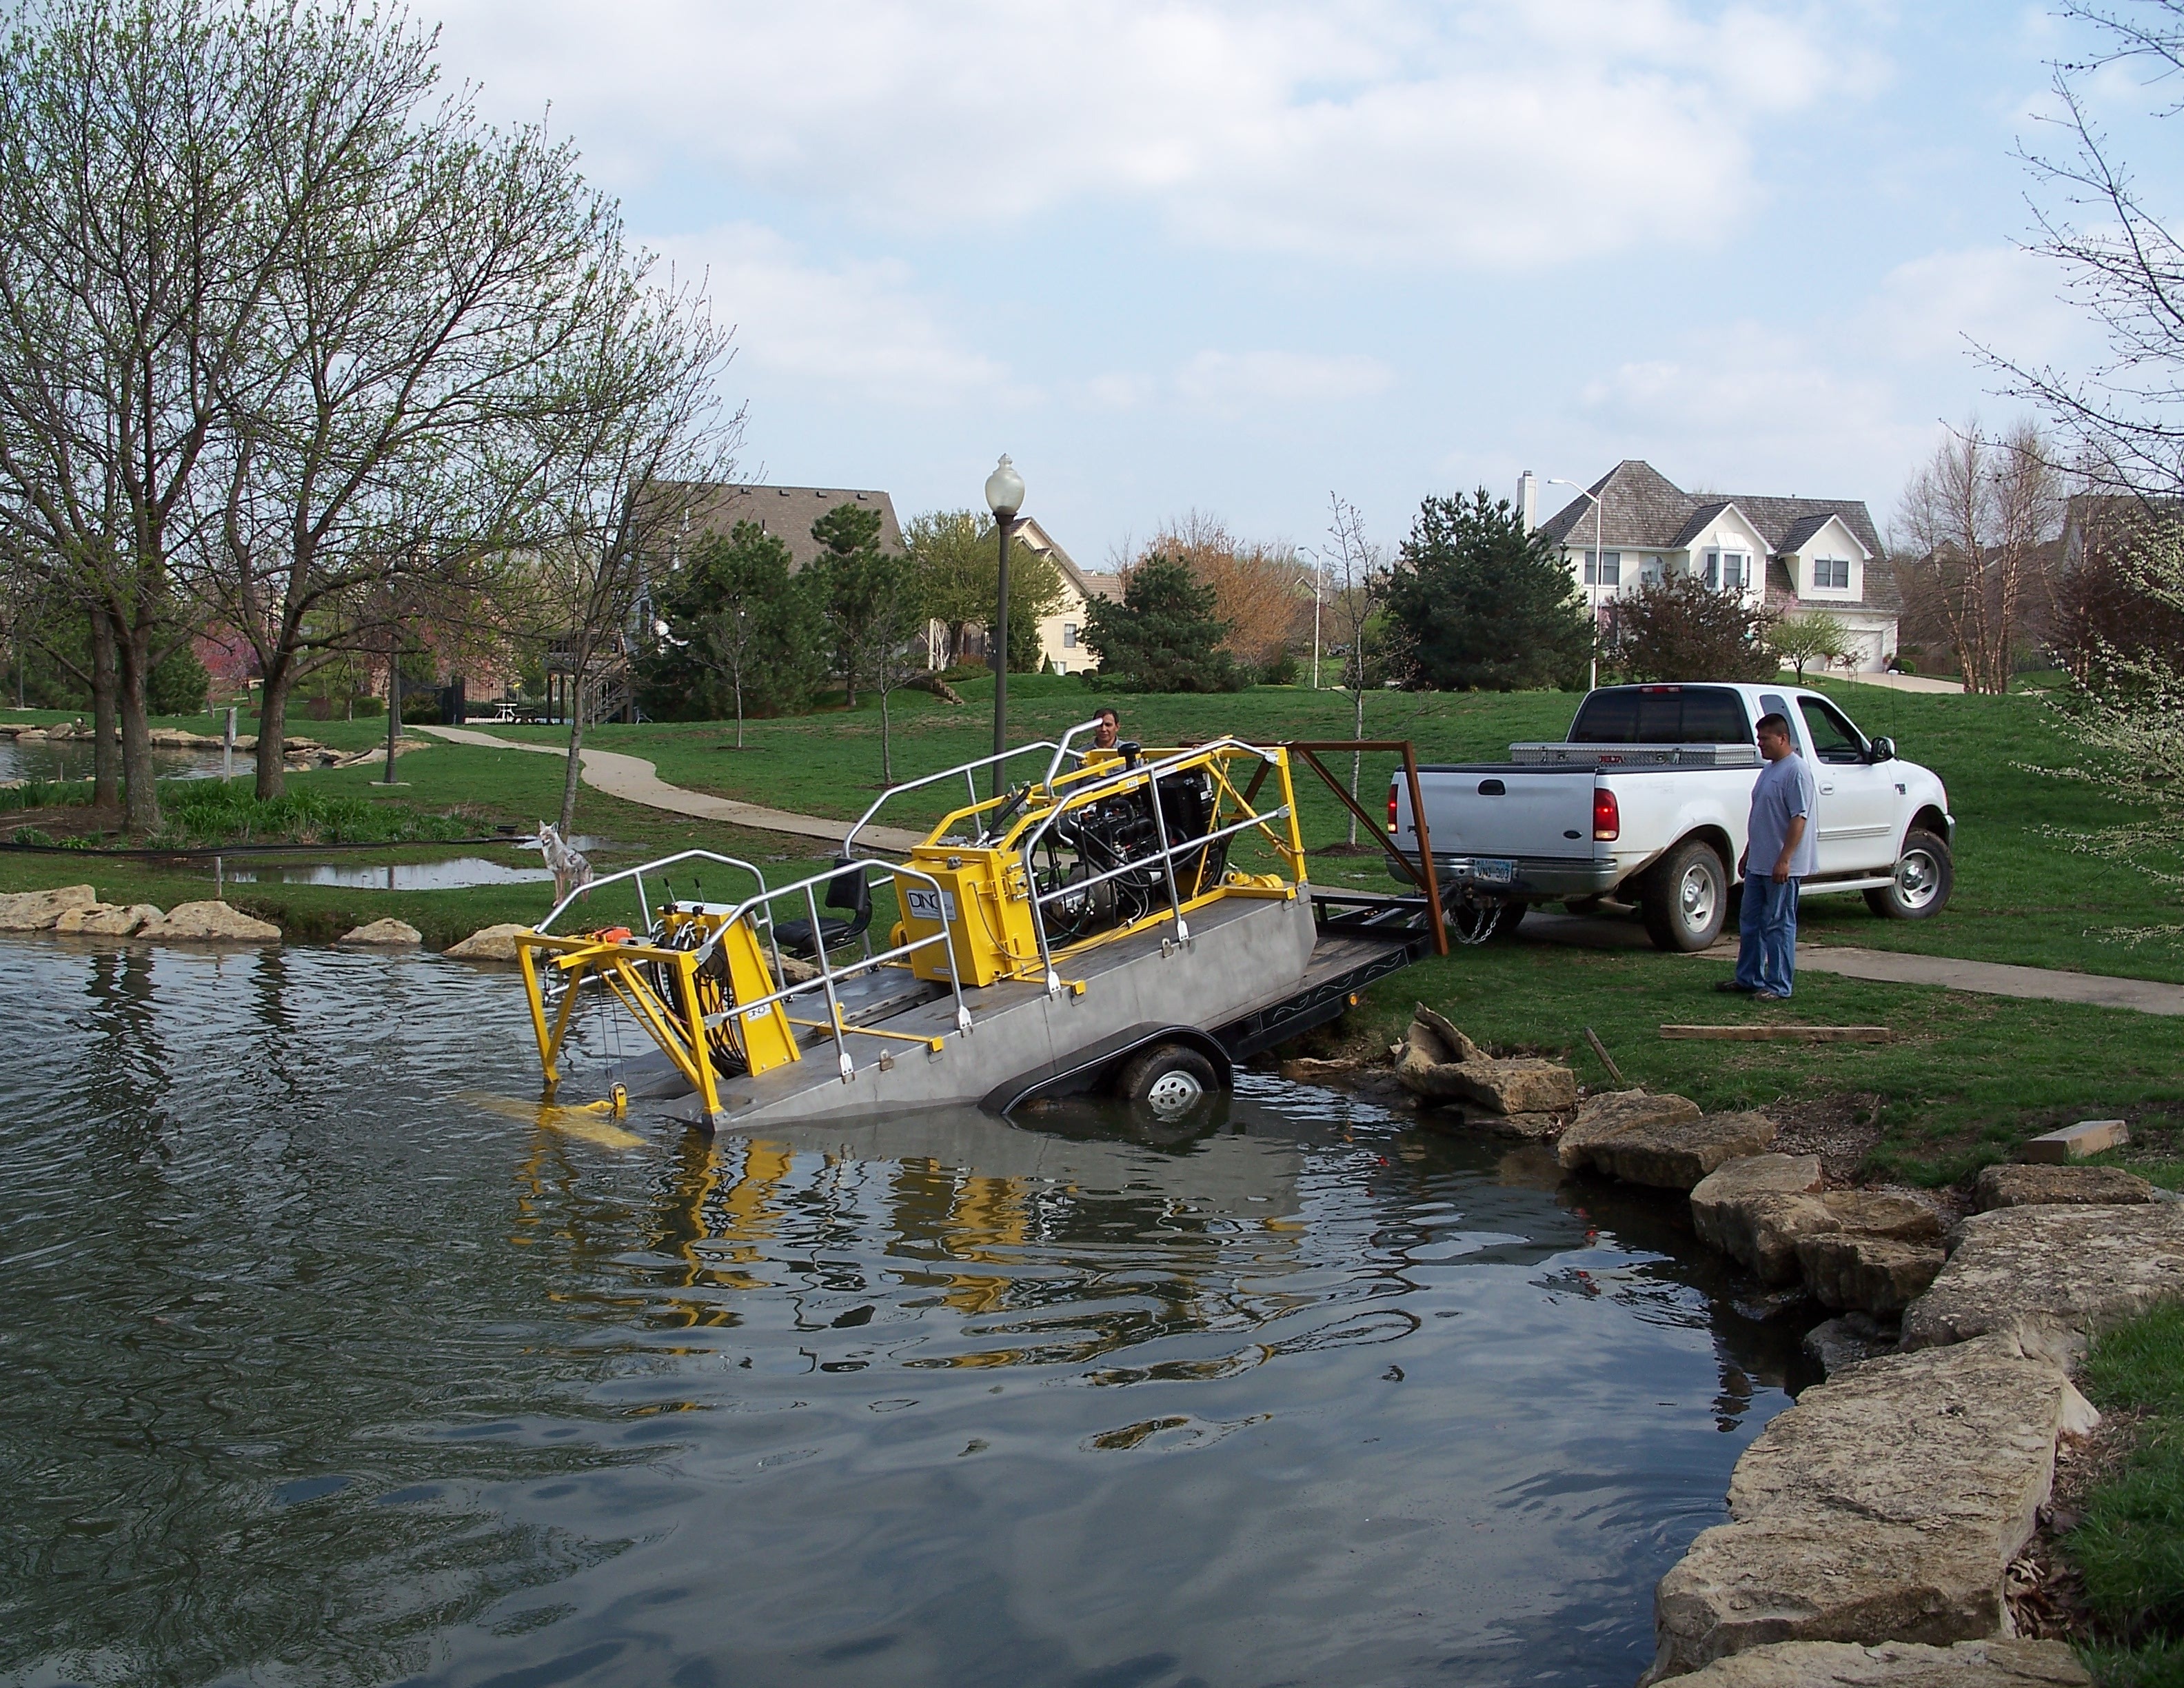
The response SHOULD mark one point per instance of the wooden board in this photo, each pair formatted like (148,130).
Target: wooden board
(1785,1035)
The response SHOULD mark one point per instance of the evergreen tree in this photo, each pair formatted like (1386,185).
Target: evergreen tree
(850,586)
(744,637)
(1479,604)
(1680,629)
(1164,636)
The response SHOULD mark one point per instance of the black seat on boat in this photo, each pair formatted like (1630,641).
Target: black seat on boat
(848,891)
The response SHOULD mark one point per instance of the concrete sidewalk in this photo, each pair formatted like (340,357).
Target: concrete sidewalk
(1986,979)
(635,780)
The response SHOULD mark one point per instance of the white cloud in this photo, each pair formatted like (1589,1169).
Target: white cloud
(1237,382)
(1477,133)
(1999,296)
(858,325)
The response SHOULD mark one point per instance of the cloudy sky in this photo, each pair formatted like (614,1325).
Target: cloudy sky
(1234,257)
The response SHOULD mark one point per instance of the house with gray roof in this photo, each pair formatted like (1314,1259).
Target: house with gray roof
(787,513)
(1788,555)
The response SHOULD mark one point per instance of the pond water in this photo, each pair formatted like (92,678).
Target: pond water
(333,1360)
(71,759)
(409,876)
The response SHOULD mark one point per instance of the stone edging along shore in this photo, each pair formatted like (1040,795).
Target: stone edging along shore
(1872,1524)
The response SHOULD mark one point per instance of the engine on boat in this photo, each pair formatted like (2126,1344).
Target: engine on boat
(1103,856)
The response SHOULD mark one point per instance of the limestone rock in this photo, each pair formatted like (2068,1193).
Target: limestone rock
(2069,1272)
(487,944)
(1876,1213)
(1305,1070)
(1898,1664)
(207,922)
(1680,1157)
(41,910)
(1877,1274)
(1440,1064)
(2048,1186)
(2075,1142)
(106,920)
(1721,1201)
(1765,1228)
(1886,1506)
(389,933)
(1847,1340)
(1614,1111)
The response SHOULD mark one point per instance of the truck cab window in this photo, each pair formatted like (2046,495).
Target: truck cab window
(1834,739)
(1661,715)
(1607,718)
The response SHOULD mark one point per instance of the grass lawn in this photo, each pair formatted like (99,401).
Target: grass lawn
(1971,1076)
(2129,1543)
(2022,895)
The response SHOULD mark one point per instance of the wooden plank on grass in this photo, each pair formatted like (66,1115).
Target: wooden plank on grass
(1784,1035)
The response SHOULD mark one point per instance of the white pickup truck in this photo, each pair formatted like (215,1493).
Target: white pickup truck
(1645,802)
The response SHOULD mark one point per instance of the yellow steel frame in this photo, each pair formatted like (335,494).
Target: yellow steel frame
(1096,780)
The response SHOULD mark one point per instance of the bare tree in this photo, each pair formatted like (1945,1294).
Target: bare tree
(137,248)
(2124,418)
(638,441)
(1979,517)
(1357,576)
(406,375)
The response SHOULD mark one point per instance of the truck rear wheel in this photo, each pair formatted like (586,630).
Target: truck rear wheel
(1925,877)
(1170,1081)
(1687,897)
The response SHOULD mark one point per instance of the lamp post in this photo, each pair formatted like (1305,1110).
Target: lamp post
(1005,493)
(1592,586)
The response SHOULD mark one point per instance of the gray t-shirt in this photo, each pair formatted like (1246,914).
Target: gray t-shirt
(1784,789)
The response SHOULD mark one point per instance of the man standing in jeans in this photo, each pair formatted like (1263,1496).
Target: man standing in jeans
(1778,853)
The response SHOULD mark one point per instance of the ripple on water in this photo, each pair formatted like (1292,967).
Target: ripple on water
(324,1374)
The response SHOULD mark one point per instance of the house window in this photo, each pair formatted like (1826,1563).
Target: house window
(1069,635)
(1607,571)
(1650,571)
(1735,570)
(1831,574)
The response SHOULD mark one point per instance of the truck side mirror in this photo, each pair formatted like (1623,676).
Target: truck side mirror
(1881,750)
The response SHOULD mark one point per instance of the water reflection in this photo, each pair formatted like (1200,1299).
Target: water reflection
(326,1373)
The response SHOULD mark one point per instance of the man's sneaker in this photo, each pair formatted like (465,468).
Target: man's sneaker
(1767,996)
(1737,986)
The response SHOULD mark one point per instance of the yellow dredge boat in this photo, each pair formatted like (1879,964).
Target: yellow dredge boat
(1129,921)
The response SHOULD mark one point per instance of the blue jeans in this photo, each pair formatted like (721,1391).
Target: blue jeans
(1766,935)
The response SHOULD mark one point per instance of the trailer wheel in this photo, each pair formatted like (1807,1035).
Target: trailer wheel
(1168,1080)
(1687,897)
(1925,877)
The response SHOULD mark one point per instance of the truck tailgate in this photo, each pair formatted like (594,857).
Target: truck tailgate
(1502,808)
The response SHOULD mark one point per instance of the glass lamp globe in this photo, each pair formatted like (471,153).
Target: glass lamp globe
(1004,489)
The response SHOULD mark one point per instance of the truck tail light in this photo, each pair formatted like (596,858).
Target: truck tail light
(1607,818)
(1391,805)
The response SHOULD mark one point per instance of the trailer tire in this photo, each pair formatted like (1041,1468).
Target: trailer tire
(1513,916)
(1170,1081)
(1925,877)
(1687,897)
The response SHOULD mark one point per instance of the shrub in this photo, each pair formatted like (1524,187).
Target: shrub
(1164,636)
(1680,629)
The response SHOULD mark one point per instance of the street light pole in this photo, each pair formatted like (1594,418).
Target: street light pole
(1592,586)
(1315,617)
(1005,493)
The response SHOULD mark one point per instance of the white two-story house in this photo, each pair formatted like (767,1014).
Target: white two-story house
(1789,555)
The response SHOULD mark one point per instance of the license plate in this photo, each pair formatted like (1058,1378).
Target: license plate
(1494,870)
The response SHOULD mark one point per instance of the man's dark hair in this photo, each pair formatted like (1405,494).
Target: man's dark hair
(1107,711)
(1777,724)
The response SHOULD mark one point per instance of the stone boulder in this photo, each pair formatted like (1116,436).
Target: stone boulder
(1846,1340)
(389,933)
(2052,1186)
(1674,1156)
(207,922)
(1886,1506)
(2053,1271)
(1722,1202)
(106,920)
(1440,1064)
(1898,1664)
(1872,1273)
(1305,1069)
(487,944)
(41,910)
(1604,1116)
(1764,1229)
